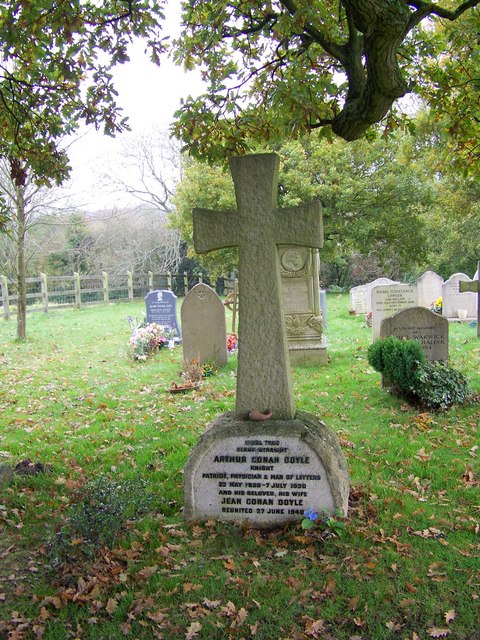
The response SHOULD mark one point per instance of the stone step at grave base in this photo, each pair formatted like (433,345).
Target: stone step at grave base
(265,473)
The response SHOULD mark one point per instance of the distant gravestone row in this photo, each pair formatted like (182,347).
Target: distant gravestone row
(458,295)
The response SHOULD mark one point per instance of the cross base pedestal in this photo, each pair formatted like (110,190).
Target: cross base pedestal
(265,473)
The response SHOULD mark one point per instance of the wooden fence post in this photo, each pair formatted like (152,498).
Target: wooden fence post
(150,280)
(169,280)
(76,287)
(6,303)
(130,285)
(200,278)
(185,282)
(44,289)
(106,296)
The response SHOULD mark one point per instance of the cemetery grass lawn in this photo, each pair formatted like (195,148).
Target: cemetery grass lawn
(71,399)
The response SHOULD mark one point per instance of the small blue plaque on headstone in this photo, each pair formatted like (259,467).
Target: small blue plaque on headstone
(161,307)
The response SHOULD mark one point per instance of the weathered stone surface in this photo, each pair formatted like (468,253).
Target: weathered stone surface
(299,268)
(358,298)
(266,473)
(453,299)
(429,288)
(161,308)
(387,300)
(204,331)
(263,374)
(419,323)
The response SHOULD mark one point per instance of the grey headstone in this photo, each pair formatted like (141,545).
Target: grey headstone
(429,288)
(358,298)
(453,300)
(387,300)
(421,324)
(204,330)
(161,308)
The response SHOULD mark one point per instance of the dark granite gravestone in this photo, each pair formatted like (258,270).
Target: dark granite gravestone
(161,308)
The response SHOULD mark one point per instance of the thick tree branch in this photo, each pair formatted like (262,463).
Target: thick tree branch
(315,35)
(425,9)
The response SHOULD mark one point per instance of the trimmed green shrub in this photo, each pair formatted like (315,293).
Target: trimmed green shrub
(398,360)
(402,362)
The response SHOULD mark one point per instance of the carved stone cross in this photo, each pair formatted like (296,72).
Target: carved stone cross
(473,286)
(257,228)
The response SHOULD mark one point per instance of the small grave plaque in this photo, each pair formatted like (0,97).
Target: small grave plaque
(161,308)
(418,323)
(387,300)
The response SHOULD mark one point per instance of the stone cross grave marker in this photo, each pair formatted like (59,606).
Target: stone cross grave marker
(474,287)
(264,467)
(263,377)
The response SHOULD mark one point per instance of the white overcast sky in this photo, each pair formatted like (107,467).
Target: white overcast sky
(149,96)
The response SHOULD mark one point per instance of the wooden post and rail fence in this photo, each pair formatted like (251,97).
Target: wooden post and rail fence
(50,292)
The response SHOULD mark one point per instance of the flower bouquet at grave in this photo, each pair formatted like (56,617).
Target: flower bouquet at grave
(146,339)
(437,305)
(232,343)
(191,378)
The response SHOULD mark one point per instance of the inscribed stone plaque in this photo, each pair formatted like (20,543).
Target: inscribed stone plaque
(429,288)
(203,326)
(387,300)
(453,300)
(265,473)
(375,283)
(418,323)
(299,268)
(358,299)
(161,307)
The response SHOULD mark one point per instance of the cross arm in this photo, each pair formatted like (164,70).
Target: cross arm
(301,226)
(214,230)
